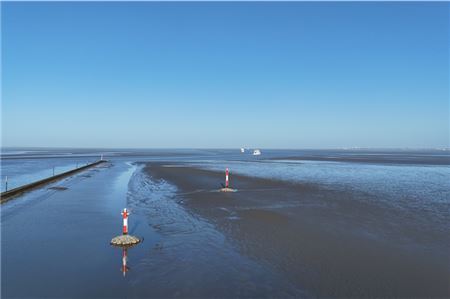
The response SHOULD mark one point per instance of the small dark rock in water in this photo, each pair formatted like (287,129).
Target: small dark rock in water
(58,188)
(158,246)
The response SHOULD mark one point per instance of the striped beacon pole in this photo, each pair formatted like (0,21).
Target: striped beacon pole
(226,178)
(125,214)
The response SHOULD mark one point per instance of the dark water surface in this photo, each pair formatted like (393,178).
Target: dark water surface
(55,243)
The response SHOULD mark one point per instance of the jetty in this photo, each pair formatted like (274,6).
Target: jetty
(10,194)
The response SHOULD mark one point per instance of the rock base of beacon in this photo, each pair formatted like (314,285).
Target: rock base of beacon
(125,240)
(227,190)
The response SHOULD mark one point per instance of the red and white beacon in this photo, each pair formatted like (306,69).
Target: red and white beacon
(226,179)
(125,214)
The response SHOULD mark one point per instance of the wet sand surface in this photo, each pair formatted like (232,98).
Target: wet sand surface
(322,241)
(323,229)
(443,159)
(56,244)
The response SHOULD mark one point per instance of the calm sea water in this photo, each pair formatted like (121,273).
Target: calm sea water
(61,238)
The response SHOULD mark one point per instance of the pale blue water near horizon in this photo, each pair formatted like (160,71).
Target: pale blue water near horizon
(412,184)
(25,165)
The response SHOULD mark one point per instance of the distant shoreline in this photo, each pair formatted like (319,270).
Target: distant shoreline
(392,157)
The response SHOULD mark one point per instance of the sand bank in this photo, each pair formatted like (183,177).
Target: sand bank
(328,242)
(375,159)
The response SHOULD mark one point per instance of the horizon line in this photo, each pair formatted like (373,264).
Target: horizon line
(230,148)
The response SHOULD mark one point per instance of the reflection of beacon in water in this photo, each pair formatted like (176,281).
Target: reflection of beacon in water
(124,261)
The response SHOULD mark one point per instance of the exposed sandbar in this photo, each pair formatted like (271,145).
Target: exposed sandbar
(330,243)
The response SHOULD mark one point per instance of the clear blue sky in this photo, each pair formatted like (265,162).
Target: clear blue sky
(269,75)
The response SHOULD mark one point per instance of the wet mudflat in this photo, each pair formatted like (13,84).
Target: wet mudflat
(320,230)
(327,242)
(57,244)
(192,258)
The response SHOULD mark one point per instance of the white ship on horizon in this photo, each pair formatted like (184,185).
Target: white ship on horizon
(242,150)
(256,152)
